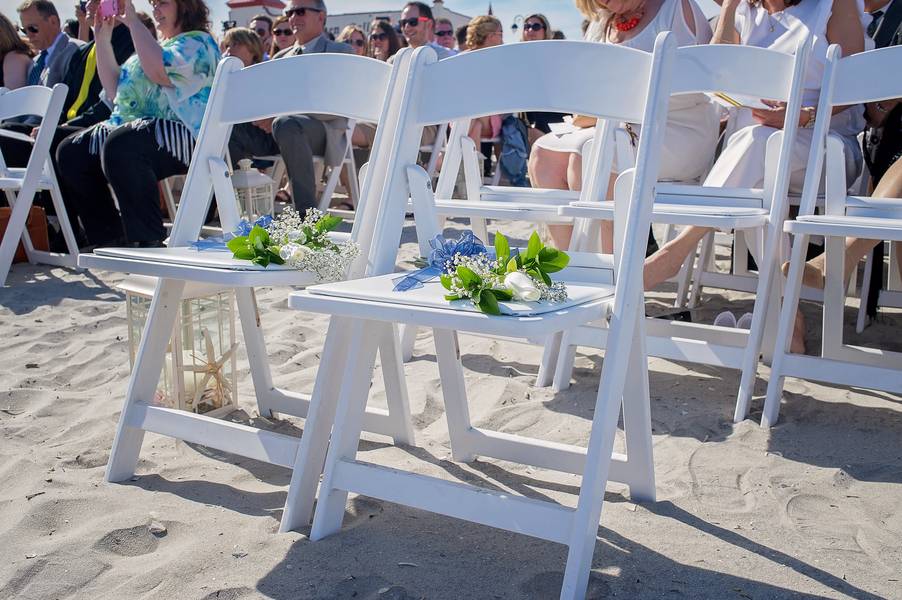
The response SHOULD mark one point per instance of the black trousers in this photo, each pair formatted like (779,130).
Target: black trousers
(133,162)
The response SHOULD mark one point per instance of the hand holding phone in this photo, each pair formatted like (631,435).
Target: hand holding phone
(109,8)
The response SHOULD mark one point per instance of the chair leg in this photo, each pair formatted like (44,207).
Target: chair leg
(834,297)
(144,378)
(15,229)
(637,423)
(791,293)
(68,234)
(256,349)
(704,258)
(308,465)
(408,341)
(563,371)
(550,354)
(348,424)
(862,320)
(395,384)
(454,393)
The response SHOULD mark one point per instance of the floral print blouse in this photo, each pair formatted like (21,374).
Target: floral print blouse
(190,60)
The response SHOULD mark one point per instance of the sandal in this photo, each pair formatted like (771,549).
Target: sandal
(284,197)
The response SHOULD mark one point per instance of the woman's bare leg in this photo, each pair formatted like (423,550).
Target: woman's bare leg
(666,262)
(549,169)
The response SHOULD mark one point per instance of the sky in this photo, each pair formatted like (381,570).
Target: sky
(562,13)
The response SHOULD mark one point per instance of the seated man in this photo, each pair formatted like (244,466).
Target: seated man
(298,138)
(262,26)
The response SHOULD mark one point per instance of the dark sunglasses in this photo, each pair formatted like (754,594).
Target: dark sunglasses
(533,27)
(300,11)
(261,32)
(413,21)
(379,37)
(444,33)
(358,42)
(29,29)
(282,32)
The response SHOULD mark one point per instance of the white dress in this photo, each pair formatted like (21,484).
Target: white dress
(692,120)
(741,163)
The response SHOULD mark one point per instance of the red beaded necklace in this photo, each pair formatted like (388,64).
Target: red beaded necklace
(624,24)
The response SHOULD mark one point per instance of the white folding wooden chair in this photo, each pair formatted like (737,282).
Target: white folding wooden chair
(21,184)
(634,86)
(746,70)
(237,97)
(847,81)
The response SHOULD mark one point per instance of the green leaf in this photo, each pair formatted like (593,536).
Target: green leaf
(488,304)
(258,237)
(535,244)
(274,256)
(545,277)
(503,294)
(245,253)
(262,260)
(502,248)
(512,265)
(552,260)
(452,297)
(446,281)
(468,277)
(328,223)
(236,243)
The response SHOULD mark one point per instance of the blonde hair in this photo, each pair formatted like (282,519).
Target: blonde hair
(590,9)
(10,40)
(544,20)
(479,29)
(242,36)
(348,31)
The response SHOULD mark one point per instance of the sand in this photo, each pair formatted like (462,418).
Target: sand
(810,509)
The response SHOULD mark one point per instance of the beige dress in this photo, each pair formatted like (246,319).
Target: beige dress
(692,120)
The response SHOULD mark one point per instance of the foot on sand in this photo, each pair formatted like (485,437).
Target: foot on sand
(812,276)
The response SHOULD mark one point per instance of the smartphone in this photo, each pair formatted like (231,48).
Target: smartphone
(82,4)
(109,8)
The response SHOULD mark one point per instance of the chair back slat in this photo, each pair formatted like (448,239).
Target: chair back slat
(734,69)
(360,81)
(868,77)
(540,76)
(30,100)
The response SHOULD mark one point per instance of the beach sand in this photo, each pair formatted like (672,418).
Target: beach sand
(810,509)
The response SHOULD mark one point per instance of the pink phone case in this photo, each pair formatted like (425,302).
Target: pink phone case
(109,8)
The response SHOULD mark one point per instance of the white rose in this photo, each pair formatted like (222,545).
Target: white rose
(296,235)
(286,251)
(299,253)
(522,286)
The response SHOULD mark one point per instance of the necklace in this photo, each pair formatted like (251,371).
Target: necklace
(621,23)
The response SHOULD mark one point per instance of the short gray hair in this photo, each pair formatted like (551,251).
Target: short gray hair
(45,8)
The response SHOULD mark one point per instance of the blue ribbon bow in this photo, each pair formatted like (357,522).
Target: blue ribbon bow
(443,251)
(218,243)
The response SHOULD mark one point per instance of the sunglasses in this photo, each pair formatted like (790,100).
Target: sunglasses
(533,27)
(379,37)
(358,42)
(444,33)
(29,29)
(282,32)
(413,21)
(261,32)
(300,11)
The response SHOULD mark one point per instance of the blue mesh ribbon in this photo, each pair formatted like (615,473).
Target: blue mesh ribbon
(443,250)
(218,243)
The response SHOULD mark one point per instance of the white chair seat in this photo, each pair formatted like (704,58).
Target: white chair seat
(425,307)
(872,228)
(508,211)
(523,194)
(14,177)
(189,264)
(721,217)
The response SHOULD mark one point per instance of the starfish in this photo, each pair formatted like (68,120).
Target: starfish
(212,369)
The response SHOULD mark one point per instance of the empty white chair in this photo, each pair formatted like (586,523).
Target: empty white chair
(21,184)
(847,81)
(634,86)
(239,96)
(733,69)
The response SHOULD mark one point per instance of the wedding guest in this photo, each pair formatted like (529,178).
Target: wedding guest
(244,44)
(160,97)
(15,56)
(418,28)
(536,27)
(262,25)
(484,32)
(41,25)
(780,25)
(460,35)
(692,122)
(282,35)
(384,42)
(444,34)
(355,38)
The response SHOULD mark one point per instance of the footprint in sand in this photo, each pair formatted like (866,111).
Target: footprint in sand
(131,541)
(230,594)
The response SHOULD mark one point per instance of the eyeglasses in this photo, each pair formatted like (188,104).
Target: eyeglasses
(29,29)
(261,31)
(444,33)
(282,32)
(379,37)
(358,42)
(533,27)
(300,11)
(413,21)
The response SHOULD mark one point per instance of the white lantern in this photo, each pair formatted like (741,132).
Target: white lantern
(253,190)
(199,370)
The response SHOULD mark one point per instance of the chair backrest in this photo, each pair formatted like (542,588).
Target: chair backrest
(849,81)
(43,102)
(633,87)
(334,84)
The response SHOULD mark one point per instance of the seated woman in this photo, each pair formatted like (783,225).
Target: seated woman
(535,28)
(692,123)
(160,96)
(355,38)
(282,35)
(383,45)
(780,25)
(243,43)
(484,32)
(15,56)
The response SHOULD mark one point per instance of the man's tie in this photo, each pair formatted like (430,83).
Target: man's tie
(34,76)
(875,22)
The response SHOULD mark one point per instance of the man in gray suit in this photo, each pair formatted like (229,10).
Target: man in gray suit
(299,137)
(41,24)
